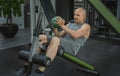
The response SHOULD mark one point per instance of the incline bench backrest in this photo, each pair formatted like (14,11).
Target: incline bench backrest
(48,9)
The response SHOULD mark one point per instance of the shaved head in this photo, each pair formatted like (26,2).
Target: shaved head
(80,15)
(81,10)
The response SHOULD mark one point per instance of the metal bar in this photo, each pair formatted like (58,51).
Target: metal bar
(78,61)
(106,13)
(32,17)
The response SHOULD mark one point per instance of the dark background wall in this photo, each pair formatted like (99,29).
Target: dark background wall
(64,8)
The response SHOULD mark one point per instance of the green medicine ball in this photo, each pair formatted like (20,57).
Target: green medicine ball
(54,22)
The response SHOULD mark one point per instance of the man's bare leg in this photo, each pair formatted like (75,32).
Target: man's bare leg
(51,50)
(43,39)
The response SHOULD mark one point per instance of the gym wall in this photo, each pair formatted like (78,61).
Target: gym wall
(65,8)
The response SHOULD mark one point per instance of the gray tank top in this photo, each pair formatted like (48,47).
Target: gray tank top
(77,42)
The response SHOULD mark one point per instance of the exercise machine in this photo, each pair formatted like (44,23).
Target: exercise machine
(32,57)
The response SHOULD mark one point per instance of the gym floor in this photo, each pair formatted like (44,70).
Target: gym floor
(102,53)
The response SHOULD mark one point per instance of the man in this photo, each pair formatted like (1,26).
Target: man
(72,38)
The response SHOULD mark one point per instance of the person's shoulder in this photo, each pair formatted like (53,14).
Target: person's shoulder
(86,25)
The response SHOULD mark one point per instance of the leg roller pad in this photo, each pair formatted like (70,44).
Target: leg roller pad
(37,59)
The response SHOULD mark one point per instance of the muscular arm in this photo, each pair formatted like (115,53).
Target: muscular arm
(59,34)
(83,31)
(56,32)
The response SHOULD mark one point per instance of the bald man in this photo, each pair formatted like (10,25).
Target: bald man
(71,39)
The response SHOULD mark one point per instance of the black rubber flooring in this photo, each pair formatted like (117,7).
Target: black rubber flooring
(103,54)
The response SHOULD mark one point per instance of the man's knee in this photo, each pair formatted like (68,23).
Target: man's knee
(55,40)
(42,37)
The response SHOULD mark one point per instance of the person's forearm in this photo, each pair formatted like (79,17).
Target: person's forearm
(69,31)
(56,32)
